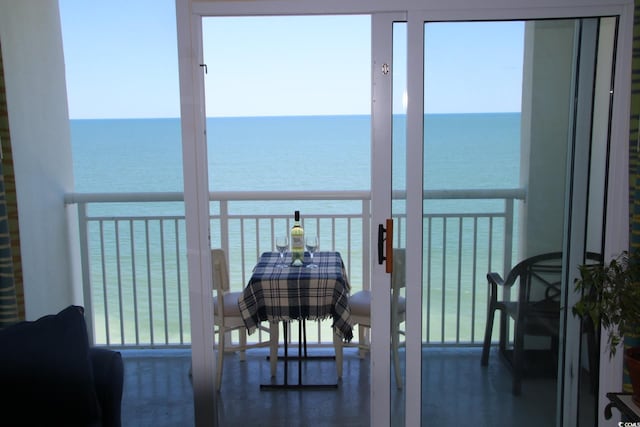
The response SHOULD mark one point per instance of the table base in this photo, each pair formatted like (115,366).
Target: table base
(298,386)
(302,355)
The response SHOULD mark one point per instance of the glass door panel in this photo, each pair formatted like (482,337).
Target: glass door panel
(502,120)
(288,102)
(473,83)
(473,90)
(289,111)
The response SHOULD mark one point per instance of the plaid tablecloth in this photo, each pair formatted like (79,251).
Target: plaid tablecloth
(295,293)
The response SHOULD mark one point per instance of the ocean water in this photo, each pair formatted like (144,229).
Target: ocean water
(461,151)
(292,153)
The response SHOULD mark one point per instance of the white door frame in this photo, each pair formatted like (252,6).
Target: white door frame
(196,200)
(189,14)
(381,188)
(414,204)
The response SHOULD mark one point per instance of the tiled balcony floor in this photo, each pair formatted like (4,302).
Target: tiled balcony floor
(457,391)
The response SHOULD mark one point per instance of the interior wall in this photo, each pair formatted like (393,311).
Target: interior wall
(546,104)
(39,122)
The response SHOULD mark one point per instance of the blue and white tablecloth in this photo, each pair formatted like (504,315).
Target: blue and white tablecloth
(293,293)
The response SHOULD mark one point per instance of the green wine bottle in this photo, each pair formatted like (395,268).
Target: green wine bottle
(297,242)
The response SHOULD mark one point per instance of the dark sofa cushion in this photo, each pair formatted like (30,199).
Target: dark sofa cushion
(108,374)
(46,376)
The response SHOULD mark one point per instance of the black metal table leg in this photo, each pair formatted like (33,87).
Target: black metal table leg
(302,347)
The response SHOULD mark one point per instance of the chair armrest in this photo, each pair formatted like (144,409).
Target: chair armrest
(495,279)
(108,374)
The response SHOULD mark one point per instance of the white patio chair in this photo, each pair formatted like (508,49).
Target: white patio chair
(227,318)
(360,306)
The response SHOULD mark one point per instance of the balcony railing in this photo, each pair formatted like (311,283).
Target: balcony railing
(134,267)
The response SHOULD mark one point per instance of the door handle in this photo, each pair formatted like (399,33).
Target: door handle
(385,245)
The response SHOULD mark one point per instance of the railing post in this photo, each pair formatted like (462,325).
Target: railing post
(366,244)
(508,235)
(224,243)
(508,248)
(224,225)
(83,224)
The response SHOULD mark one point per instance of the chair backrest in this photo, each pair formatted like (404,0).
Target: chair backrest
(399,276)
(539,279)
(220,273)
(219,270)
(398,280)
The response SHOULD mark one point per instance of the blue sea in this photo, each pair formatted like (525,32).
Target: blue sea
(461,151)
(292,153)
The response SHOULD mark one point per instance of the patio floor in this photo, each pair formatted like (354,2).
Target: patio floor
(457,391)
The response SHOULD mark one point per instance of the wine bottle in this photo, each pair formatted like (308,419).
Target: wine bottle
(297,241)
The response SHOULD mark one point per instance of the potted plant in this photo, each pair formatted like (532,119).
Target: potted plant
(611,299)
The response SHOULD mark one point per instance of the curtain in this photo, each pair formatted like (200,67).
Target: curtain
(11,290)
(634,166)
(634,138)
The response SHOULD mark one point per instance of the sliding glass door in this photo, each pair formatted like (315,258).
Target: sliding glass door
(470,187)
(506,121)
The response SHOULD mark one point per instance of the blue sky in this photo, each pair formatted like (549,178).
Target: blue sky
(121,61)
(121,58)
(308,65)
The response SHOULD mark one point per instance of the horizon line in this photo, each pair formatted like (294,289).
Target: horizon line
(289,116)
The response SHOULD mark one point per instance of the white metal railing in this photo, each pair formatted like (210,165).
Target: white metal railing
(133,254)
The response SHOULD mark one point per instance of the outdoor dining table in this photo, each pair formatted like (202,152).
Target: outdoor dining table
(277,293)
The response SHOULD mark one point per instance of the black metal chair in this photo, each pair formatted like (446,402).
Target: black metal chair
(535,311)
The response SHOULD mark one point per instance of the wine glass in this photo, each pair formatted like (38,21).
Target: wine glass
(282,244)
(311,243)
